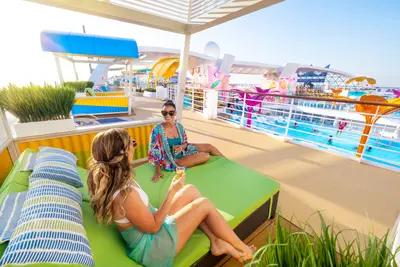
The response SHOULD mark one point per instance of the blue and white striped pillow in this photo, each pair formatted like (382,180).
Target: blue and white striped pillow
(56,164)
(50,229)
(58,151)
(10,212)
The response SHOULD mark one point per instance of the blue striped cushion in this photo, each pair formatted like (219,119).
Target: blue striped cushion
(10,212)
(56,165)
(59,151)
(50,228)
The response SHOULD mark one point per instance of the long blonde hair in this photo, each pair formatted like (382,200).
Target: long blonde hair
(109,171)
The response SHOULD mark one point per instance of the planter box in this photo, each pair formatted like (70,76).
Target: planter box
(150,94)
(43,127)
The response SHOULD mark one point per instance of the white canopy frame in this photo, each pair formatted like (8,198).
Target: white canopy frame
(179,16)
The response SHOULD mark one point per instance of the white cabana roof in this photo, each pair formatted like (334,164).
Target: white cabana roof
(254,68)
(180,16)
(149,54)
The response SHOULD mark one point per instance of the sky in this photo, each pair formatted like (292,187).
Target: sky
(361,37)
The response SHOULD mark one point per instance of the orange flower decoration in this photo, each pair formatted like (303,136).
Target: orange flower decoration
(372,114)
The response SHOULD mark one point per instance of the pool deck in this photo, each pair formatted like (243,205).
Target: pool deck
(357,196)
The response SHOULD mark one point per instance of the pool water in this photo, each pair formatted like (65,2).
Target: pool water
(346,143)
(356,94)
(110,120)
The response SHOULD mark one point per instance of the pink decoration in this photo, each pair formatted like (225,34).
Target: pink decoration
(251,101)
(396,92)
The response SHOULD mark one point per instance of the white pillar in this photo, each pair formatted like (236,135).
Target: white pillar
(126,78)
(130,99)
(210,104)
(129,93)
(180,92)
(75,72)
(59,71)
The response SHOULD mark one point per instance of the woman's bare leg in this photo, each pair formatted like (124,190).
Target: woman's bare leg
(188,194)
(193,214)
(208,148)
(193,160)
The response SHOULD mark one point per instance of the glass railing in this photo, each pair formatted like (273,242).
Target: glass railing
(330,125)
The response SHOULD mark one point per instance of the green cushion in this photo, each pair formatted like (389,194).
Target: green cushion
(15,175)
(83,173)
(235,190)
(3,248)
(108,247)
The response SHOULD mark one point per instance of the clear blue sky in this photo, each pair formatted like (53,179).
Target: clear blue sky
(357,36)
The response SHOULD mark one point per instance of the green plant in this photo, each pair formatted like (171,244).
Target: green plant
(37,103)
(329,248)
(79,86)
(152,90)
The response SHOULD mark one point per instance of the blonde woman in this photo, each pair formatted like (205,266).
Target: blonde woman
(153,236)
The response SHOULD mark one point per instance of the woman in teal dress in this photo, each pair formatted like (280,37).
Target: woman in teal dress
(153,236)
(169,147)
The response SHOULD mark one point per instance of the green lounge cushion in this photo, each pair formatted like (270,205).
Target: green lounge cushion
(235,190)
(83,173)
(108,247)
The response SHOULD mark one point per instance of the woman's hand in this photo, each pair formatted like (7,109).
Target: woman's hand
(178,149)
(157,177)
(177,183)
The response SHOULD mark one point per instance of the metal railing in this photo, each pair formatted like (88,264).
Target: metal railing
(194,99)
(172,89)
(315,125)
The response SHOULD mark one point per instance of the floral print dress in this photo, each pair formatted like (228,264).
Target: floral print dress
(160,152)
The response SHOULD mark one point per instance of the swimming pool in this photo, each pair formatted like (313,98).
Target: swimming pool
(92,122)
(346,143)
(356,94)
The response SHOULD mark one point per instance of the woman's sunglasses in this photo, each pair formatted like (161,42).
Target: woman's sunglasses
(134,143)
(170,113)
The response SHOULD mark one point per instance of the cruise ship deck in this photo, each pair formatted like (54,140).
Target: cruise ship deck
(357,196)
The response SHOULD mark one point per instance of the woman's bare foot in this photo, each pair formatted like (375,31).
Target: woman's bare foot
(247,253)
(219,247)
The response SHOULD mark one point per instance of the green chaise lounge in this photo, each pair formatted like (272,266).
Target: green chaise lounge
(244,197)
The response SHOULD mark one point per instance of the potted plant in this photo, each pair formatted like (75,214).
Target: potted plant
(150,92)
(327,246)
(39,109)
(79,86)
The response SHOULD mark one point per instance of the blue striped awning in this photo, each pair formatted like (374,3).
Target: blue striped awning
(88,45)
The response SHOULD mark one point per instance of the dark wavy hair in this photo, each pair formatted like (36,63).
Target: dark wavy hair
(169,103)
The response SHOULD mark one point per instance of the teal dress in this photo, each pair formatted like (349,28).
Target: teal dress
(175,142)
(153,250)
